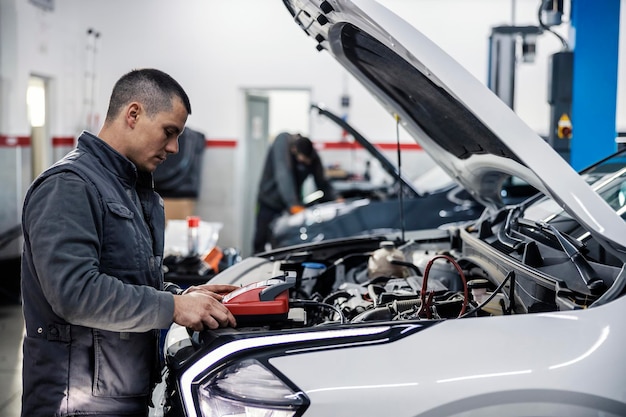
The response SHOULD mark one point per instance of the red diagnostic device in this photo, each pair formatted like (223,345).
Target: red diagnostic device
(260,303)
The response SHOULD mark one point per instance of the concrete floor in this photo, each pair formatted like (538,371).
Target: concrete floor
(11,334)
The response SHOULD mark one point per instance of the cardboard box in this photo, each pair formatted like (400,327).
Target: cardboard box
(179,208)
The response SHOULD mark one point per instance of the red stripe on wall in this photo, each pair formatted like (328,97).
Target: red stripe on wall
(14,141)
(403,146)
(64,141)
(221,143)
(356,145)
(232,143)
(7,141)
(337,145)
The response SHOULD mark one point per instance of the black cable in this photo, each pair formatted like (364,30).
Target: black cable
(342,260)
(410,265)
(548,29)
(305,303)
(493,294)
(336,295)
(511,308)
(402,222)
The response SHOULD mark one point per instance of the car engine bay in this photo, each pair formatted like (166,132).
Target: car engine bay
(495,267)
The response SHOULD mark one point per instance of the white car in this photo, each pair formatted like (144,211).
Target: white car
(520,313)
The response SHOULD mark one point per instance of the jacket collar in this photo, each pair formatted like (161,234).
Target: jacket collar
(113,161)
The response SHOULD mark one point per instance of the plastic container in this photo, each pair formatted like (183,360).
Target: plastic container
(193,235)
(310,271)
(379,263)
(177,237)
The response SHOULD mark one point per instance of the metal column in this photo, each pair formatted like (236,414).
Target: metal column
(596,46)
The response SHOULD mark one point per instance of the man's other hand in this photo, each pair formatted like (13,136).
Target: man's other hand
(200,307)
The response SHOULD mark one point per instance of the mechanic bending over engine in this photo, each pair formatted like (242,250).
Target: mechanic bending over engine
(290,160)
(92,279)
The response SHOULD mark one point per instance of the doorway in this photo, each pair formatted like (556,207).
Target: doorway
(37,110)
(268,113)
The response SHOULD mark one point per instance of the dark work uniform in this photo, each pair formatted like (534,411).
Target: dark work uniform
(91,284)
(281,186)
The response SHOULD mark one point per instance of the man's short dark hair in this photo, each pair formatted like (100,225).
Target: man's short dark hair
(303,146)
(153,88)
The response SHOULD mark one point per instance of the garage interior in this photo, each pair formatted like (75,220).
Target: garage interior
(68,53)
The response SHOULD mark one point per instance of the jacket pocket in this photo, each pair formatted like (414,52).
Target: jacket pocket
(120,210)
(121,248)
(123,363)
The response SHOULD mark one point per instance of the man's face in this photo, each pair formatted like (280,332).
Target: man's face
(156,137)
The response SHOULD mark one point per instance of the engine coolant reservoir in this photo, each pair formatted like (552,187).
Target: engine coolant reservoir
(379,264)
(441,271)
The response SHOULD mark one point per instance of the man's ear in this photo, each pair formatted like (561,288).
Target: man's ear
(133,110)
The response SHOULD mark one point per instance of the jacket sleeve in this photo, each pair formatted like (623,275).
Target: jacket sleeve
(63,225)
(283,171)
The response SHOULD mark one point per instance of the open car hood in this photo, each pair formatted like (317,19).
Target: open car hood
(371,149)
(462,124)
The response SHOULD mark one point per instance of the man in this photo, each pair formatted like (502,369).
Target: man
(290,160)
(92,279)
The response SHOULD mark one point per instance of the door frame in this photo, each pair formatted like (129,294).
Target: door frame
(288,109)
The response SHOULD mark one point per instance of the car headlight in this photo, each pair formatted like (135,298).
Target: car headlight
(248,389)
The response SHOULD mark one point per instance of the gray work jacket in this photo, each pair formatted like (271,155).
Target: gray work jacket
(92,285)
(281,183)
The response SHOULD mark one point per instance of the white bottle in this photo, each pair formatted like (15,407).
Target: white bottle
(193,235)
(379,263)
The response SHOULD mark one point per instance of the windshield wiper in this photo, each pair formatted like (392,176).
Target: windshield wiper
(505,232)
(595,285)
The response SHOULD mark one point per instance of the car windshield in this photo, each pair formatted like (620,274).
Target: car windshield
(434,179)
(608,179)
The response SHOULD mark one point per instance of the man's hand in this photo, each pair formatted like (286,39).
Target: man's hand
(200,307)
(215,290)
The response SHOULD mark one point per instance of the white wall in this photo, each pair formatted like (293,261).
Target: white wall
(216,49)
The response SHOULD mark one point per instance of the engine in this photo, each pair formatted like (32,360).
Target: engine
(389,283)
